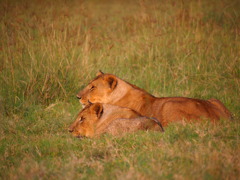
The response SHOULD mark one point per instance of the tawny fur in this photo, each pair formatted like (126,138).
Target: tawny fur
(107,88)
(122,126)
(97,119)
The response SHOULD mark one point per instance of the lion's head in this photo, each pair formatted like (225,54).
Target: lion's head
(98,90)
(85,124)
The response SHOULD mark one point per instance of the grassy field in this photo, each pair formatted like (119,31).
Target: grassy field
(49,50)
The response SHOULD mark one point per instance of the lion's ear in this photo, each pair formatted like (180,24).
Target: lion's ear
(112,81)
(100,73)
(98,109)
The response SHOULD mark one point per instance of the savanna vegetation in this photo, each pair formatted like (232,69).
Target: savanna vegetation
(49,50)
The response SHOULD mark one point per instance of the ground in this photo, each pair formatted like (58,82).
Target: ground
(49,50)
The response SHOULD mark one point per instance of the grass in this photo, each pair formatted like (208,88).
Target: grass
(49,50)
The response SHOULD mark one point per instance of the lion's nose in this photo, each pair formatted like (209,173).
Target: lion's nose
(78,96)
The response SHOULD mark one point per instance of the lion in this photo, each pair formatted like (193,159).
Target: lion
(109,89)
(97,119)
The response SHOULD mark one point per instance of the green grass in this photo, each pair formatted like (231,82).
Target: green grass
(49,50)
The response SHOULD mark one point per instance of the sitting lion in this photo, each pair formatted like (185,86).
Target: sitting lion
(107,88)
(96,119)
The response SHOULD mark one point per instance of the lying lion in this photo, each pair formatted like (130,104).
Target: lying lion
(96,119)
(107,88)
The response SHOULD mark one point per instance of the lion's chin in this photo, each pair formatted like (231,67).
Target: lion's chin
(84,104)
(78,136)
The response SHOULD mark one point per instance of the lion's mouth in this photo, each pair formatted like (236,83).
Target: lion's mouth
(82,103)
(80,137)
(86,103)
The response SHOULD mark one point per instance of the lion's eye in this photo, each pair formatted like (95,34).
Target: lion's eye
(81,120)
(92,88)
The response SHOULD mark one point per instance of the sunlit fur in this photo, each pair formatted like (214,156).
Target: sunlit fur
(97,119)
(107,88)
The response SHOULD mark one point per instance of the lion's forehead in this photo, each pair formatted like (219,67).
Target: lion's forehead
(99,79)
(87,113)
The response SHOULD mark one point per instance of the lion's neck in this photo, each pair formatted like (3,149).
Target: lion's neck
(118,93)
(130,96)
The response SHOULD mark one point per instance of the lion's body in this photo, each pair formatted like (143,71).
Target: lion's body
(107,88)
(122,126)
(97,119)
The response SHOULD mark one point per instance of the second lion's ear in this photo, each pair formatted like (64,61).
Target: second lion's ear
(112,81)
(98,109)
(100,73)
